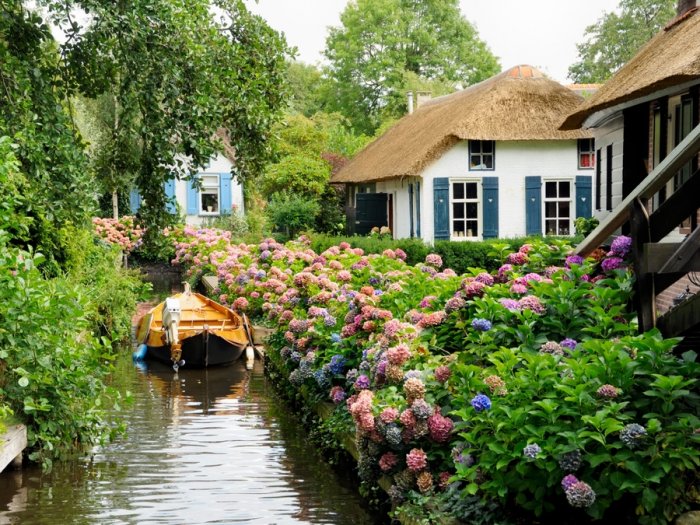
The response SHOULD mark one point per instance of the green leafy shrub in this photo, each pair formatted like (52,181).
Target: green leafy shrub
(54,368)
(291,213)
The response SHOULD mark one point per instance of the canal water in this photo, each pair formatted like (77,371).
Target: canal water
(203,446)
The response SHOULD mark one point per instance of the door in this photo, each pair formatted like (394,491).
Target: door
(371,211)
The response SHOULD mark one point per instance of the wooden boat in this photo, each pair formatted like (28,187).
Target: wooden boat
(189,328)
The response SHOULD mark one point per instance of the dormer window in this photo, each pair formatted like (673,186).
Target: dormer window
(586,154)
(482,154)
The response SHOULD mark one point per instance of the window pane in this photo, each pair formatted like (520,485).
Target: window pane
(210,181)
(488,162)
(458,190)
(475,146)
(210,202)
(475,161)
(458,210)
(563,227)
(550,209)
(550,190)
(564,209)
(487,146)
(564,190)
(472,210)
(471,190)
(550,227)
(472,228)
(458,227)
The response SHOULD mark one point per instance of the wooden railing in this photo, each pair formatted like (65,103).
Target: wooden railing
(658,265)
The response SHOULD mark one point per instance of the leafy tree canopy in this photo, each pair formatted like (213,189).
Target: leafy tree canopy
(615,38)
(304,88)
(380,42)
(178,71)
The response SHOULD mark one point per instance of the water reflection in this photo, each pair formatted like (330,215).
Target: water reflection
(204,446)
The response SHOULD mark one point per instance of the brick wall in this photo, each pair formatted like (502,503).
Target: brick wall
(664,301)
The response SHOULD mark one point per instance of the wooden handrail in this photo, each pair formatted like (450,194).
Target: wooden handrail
(651,184)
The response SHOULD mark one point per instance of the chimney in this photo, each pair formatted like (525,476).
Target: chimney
(685,5)
(410,102)
(422,97)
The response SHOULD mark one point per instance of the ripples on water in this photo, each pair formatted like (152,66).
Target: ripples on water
(205,446)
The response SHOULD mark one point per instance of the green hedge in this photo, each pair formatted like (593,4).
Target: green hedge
(458,255)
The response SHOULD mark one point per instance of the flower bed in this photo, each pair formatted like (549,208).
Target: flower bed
(478,394)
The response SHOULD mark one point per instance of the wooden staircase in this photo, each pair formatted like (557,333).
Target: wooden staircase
(659,264)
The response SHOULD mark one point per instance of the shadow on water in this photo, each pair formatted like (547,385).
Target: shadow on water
(203,446)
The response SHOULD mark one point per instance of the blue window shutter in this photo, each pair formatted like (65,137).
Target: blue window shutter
(170,194)
(225,190)
(441,203)
(583,196)
(134,200)
(417,209)
(192,198)
(490,195)
(533,205)
(410,209)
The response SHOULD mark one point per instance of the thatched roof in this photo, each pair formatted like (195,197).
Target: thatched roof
(228,150)
(518,104)
(671,58)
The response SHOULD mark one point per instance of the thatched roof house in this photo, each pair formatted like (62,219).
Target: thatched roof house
(485,162)
(671,58)
(520,104)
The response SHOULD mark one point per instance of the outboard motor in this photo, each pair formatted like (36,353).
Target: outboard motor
(171,322)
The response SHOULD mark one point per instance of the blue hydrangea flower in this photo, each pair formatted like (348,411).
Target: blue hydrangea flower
(632,435)
(482,325)
(335,338)
(481,402)
(531,450)
(322,378)
(337,364)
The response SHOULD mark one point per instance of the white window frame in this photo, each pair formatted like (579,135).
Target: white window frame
(208,189)
(571,199)
(481,166)
(479,209)
(591,153)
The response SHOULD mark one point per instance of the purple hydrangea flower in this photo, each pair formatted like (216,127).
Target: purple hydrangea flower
(568,481)
(568,343)
(612,263)
(510,304)
(531,451)
(481,402)
(362,382)
(621,246)
(573,259)
(481,325)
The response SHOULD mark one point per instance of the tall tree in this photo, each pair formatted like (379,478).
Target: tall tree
(178,71)
(380,42)
(615,38)
(58,190)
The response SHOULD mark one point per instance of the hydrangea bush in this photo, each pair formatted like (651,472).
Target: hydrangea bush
(528,386)
(123,232)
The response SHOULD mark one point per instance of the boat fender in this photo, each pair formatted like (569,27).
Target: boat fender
(140,354)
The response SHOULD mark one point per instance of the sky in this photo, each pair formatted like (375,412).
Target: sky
(541,33)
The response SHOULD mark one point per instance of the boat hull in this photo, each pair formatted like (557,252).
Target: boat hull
(200,351)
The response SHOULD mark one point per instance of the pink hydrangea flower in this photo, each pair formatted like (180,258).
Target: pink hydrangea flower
(416,460)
